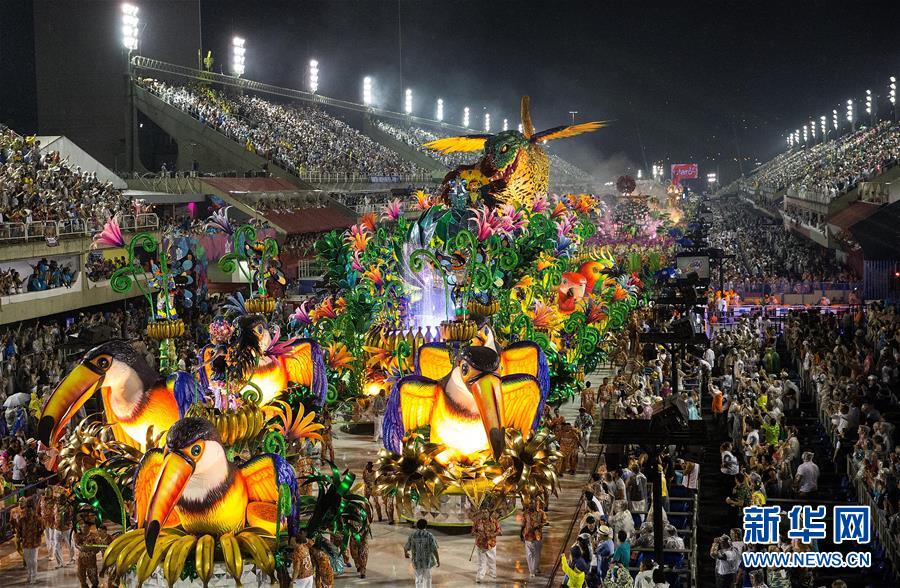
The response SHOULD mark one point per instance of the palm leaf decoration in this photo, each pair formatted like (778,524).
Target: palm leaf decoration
(293,428)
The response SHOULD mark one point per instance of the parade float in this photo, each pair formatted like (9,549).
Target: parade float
(466,321)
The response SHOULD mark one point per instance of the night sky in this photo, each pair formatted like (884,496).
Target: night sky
(682,81)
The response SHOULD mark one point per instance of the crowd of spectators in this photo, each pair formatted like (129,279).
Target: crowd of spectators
(823,171)
(45,275)
(769,259)
(850,363)
(36,186)
(301,139)
(100,268)
(303,244)
(287,204)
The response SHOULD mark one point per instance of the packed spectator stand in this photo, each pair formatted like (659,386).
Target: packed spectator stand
(301,139)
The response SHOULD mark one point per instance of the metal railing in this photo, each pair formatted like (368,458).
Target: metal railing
(75,227)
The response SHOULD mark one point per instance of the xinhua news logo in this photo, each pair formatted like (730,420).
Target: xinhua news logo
(762,526)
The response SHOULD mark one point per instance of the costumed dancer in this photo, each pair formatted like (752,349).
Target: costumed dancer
(62,534)
(47,510)
(486,527)
(534,519)
(88,540)
(369,492)
(359,550)
(303,572)
(569,443)
(29,531)
(322,564)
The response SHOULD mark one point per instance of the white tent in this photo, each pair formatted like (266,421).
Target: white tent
(79,157)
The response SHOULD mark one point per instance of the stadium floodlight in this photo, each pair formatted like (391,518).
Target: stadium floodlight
(711,178)
(367,91)
(797,136)
(790,140)
(407,101)
(466,117)
(850,111)
(313,76)
(440,109)
(520,127)
(640,174)
(487,122)
(823,125)
(505,124)
(805,134)
(130,26)
(892,87)
(238,52)
(834,118)
(868,101)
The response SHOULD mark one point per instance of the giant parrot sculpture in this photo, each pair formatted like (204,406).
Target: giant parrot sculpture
(191,483)
(513,167)
(135,396)
(468,400)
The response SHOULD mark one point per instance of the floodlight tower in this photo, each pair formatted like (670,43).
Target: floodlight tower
(130,23)
(465,120)
(892,96)
(487,122)
(313,76)
(439,115)
(367,91)
(238,53)
(850,117)
(407,101)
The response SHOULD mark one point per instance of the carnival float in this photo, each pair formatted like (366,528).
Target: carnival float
(467,320)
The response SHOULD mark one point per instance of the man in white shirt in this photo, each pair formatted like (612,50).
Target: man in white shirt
(807,477)
(19,467)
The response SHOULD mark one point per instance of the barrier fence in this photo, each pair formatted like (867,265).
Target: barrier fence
(71,228)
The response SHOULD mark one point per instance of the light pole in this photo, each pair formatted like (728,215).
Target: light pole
(487,122)
(407,101)
(440,110)
(130,23)
(466,116)
(238,53)
(313,76)
(505,124)
(892,96)
(573,113)
(812,129)
(805,135)
(130,32)
(367,91)
(850,114)
(834,119)
(823,126)
(869,106)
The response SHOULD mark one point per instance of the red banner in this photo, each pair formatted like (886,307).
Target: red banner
(684,171)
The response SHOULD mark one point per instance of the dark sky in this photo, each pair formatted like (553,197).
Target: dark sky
(682,81)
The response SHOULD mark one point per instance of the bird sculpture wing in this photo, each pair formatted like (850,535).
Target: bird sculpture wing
(409,407)
(144,484)
(264,475)
(433,361)
(305,365)
(527,358)
(464,144)
(566,131)
(184,389)
(521,401)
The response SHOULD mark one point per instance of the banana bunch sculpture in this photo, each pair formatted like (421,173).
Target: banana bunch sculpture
(192,504)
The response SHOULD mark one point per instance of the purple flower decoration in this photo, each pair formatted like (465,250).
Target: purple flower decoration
(218,221)
(301,315)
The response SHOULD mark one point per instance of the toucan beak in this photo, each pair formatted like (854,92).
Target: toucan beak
(69,396)
(488,396)
(173,477)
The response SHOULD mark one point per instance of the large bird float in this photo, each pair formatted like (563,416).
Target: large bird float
(513,167)
(136,398)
